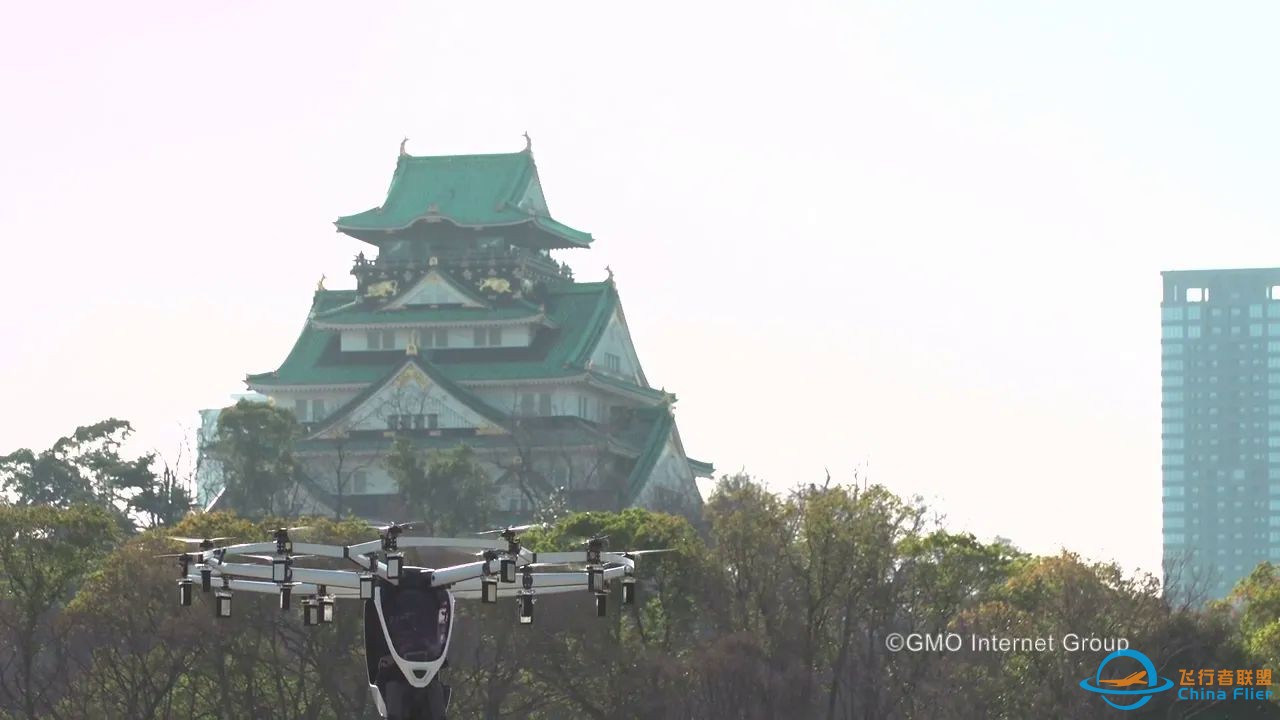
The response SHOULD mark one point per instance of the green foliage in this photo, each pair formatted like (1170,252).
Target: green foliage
(45,552)
(162,502)
(254,442)
(447,490)
(780,609)
(154,659)
(86,468)
(1258,597)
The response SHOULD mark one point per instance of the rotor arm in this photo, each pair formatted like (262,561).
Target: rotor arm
(579,557)
(241,549)
(316,549)
(444,577)
(364,548)
(268,587)
(543,582)
(325,551)
(335,578)
(414,541)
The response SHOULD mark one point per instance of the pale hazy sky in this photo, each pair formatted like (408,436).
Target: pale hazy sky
(920,238)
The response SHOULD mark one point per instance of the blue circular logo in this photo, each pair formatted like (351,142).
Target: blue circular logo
(1139,686)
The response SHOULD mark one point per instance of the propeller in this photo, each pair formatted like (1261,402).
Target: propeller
(393,526)
(513,529)
(572,563)
(635,554)
(199,540)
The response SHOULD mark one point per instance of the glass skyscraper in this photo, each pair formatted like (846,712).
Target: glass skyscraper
(1220,402)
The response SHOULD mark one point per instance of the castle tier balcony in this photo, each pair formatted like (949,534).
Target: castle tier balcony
(512,262)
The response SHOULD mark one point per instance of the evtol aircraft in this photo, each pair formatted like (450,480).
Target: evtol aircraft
(408,611)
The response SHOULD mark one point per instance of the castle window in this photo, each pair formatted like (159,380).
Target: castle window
(380,340)
(584,406)
(488,337)
(359,481)
(544,403)
(527,401)
(404,422)
(433,421)
(613,362)
(435,338)
(309,411)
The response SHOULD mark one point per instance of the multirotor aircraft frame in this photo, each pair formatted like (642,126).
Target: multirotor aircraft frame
(404,649)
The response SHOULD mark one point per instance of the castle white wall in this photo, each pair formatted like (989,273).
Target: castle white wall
(670,477)
(304,404)
(615,355)
(563,400)
(428,337)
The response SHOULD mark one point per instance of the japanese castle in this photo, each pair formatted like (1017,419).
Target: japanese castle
(464,329)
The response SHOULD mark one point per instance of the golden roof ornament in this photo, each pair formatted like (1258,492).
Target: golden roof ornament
(402,144)
(320,285)
(382,290)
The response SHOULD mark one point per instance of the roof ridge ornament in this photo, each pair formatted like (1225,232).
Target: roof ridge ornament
(402,144)
(320,285)
(528,142)
(610,271)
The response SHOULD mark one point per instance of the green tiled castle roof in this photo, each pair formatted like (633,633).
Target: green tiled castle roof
(650,452)
(362,314)
(467,190)
(577,313)
(557,432)
(466,397)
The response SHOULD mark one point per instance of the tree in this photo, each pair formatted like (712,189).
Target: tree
(254,443)
(334,470)
(86,467)
(448,490)
(145,657)
(163,502)
(45,552)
